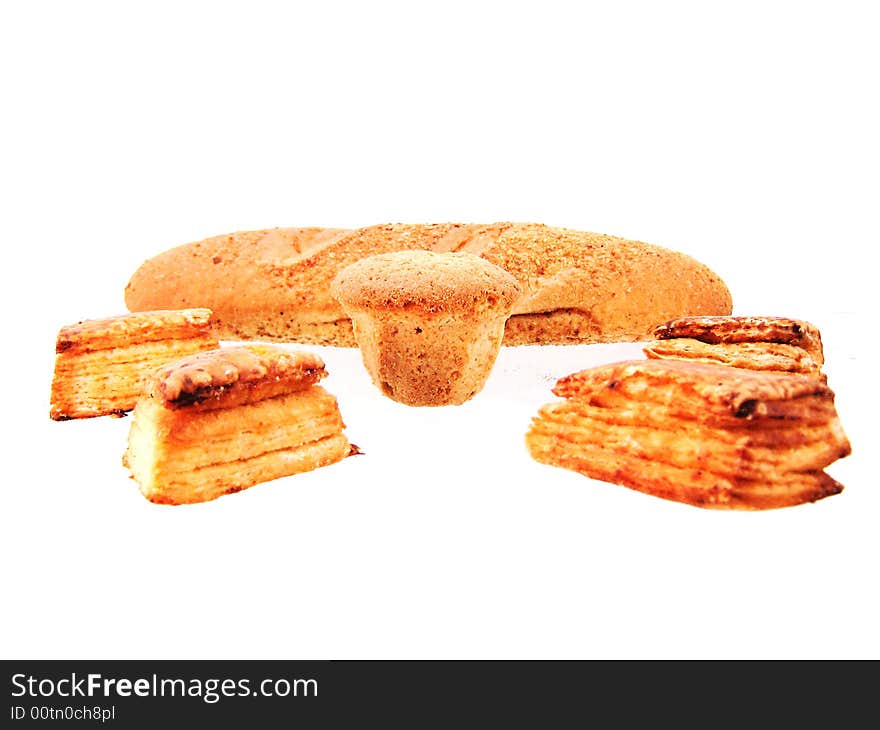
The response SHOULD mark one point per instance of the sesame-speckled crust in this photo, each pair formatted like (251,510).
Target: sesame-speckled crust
(741,329)
(275,284)
(232,376)
(705,435)
(149,326)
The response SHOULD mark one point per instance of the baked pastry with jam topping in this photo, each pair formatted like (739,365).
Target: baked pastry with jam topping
(758,343)
(228,419)
(100,364)
(705,435)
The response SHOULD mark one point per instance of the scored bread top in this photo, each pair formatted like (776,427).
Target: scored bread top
(276,283)
(713,389)
(425,280)
(736,329)
(234,375)
(129,329)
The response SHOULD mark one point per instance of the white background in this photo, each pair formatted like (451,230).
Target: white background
(743,134)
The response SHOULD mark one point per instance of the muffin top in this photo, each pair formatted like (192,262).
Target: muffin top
(427,281)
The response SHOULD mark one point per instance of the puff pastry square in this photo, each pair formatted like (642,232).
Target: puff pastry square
(100,364)
(776,344)
(706,435)
(225,420)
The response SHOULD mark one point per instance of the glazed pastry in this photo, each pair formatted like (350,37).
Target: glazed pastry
(429,325)
(100,363)
(577,286)
(706,435)
(225,420)
(758,343)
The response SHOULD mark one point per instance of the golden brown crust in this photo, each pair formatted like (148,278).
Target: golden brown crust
(428,281)
(621,283)
(769,356)
(692,486)
(743,329)
(429,325)
(235,375)
(727,391)
(737,453)
(705,435)
(188,454)
(429,360)
(218,480)
(149,326)
(282,290)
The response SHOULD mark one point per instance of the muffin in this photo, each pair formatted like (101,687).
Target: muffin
(429,325)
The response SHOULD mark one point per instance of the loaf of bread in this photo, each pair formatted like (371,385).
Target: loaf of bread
(576,286)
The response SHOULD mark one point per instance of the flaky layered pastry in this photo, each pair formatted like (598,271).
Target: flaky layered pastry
(100,364)
(757,343)
(705,435)
(228,419)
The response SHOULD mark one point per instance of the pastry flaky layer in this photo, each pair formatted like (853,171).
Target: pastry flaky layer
(706,435)
(576,286)
(101,364)
(758,343)
(223,421)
